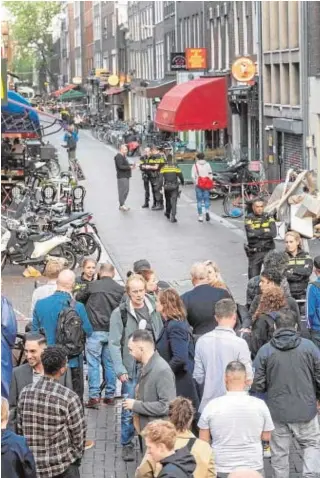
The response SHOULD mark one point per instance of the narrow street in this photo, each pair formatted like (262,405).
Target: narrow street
(170,248)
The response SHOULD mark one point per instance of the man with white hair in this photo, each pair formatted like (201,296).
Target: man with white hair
(46,317)
(200,301)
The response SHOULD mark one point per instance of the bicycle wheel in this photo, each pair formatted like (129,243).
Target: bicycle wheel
(87,245)
(232,204)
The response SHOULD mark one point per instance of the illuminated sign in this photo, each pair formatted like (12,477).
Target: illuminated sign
(243,69)
(196,58)
(178,61)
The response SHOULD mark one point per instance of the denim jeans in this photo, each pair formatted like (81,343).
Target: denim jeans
(203,197)
(308,437)
(127,428)
(98,353)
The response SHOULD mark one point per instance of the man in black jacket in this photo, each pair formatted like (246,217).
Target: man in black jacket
(288,370)
(201,300)
(101,297)
(123,168)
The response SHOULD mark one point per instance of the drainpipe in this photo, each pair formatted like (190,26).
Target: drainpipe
(261,100)
(304,57)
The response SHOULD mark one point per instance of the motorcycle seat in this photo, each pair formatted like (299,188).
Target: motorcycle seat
(61,222)
(40,237)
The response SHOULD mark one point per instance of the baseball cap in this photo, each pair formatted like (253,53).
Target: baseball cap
(316,263)
(141,265)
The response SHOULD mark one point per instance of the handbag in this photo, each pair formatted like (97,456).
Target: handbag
(205,183)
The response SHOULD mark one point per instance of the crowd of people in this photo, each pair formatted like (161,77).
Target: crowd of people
(209,386)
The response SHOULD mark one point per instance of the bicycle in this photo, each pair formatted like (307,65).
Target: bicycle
(238,197)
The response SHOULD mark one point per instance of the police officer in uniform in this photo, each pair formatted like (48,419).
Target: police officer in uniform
(170,177)
(145,168)
(261,231)
(157,162)
(300,266)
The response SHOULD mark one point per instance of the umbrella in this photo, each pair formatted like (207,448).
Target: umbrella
(71,95)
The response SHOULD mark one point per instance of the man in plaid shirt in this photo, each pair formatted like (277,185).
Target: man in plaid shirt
(51,418)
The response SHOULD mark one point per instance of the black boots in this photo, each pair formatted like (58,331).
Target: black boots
(145,205)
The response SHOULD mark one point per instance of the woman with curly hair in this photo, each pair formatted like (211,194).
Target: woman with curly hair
(175,343)
(272,300)
(181,414)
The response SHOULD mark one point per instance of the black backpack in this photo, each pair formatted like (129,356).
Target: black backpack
(70,334)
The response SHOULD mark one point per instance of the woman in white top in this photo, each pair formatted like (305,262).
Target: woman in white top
(202,169)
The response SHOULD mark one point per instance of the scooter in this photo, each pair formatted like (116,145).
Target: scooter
(23,247)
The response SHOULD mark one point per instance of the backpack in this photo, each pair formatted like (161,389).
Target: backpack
(70,334)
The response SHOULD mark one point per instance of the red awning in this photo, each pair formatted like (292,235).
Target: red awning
(195,105)
(113,91)
(63,90)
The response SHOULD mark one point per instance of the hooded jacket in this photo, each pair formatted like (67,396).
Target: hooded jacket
(179,465)
(123,362)
(204,170)
(288,369)
(16,458)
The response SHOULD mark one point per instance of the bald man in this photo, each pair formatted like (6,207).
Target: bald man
(46,316)
(101,297)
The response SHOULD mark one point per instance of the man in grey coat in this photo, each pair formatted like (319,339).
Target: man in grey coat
(30,372)
(136,312)
(156,385)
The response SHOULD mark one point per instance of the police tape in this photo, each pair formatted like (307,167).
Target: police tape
(257,183)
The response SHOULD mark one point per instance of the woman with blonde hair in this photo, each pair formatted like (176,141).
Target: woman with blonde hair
(175,343)
(299,267)
(214,275)
(181,415)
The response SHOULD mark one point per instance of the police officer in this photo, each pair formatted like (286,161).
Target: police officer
(299,267)
(169,178)
(146,167)
(261,231)
(156,162)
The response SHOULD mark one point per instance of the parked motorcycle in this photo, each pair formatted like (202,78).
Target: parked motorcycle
(21,246)
(235,174)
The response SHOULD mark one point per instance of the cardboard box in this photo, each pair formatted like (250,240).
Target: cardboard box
(303,226)
(310,207)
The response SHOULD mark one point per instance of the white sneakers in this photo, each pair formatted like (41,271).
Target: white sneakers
(200,218)
(124,208)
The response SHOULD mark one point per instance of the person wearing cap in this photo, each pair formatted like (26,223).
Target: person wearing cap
(144,265)
(313,305)
(202,169)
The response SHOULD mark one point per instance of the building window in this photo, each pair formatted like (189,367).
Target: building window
(212,43)
(77,36)
(168,9)
(114,64)
(187,32)
(97,60)
(113,24)
(181,36)
(78,67)
(219,44)
(106,65)
(236,30)
(168,50)
(197,44)
(254,27)
(158,10)
(226,30)
(97,28)
(150,62)
(105,27)
(245,28)
(76,10)
(159,60)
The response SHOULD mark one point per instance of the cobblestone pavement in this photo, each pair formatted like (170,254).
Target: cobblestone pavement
(171,249)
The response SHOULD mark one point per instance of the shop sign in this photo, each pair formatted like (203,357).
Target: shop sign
(4,90)
(178,61)
(243,70)
(196,58)
(113,80)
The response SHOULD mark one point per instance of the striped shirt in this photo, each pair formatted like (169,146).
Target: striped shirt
(214,351)
(50,416)
(236,422)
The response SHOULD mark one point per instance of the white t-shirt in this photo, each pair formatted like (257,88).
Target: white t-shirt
(236,422)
